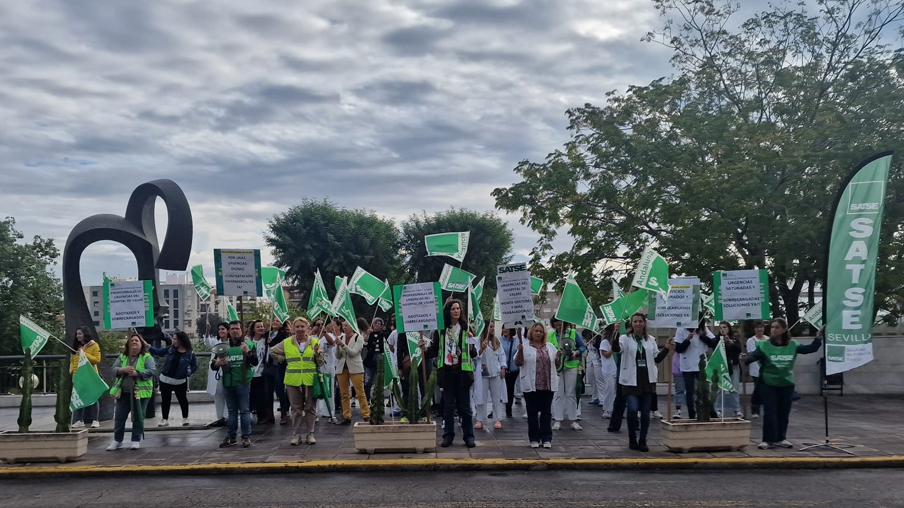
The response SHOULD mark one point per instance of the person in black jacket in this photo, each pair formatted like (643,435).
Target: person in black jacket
(374,347)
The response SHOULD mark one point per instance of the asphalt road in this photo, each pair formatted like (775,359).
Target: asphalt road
(841,488)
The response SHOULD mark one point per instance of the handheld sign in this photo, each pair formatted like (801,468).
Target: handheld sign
(516,307)
(741,294)
(128,304)
(418,307)
(238,272)
(680,309)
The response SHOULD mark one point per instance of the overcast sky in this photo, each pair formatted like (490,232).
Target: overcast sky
(393,106)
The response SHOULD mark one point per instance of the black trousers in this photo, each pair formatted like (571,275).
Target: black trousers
(539,415)
(618,410)
(776,411)
(510,379)
(456,395)
(166,398)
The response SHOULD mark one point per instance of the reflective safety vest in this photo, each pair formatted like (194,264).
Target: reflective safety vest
(300,367)
(464,360)
(145,387)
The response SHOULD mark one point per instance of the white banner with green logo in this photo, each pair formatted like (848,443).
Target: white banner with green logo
(851,270)
(128,304)
(740,294)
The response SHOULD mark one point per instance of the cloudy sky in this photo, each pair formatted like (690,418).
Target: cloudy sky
(395,106)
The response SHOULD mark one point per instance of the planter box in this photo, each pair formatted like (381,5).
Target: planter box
(717,435)
(43,446)
(395,437)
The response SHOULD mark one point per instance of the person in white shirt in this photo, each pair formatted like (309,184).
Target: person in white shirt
(608,370)
(326,408)
(759,334)
(490,382)
(690,344)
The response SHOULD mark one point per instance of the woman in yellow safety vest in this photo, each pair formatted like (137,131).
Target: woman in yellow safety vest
(133,388)
(302,355)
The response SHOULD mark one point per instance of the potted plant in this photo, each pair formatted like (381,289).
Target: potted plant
(706,433)
(378,435)
(60,445)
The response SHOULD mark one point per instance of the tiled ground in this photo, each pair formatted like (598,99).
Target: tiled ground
(872,423)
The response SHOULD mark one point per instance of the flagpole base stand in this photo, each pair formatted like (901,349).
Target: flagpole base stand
(829,445)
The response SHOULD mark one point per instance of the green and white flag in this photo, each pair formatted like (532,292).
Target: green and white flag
(390,369)
(87,385)
(281,306)
(475,315)
(364,284)
(652,272)
(272,279)
(497,310)
(850,280)
(385,299)
(616,291)
(718,364)
(478,290)
(536,285)
(337,282)
(202,287)
(413,350)
(319,301)
(231,314)
(455,280)
(814,315)
(342,304)
(709,303)
(625,306)
(33,337)
(574,307)
(454,245)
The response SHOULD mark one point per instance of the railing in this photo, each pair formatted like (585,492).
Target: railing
(47,369)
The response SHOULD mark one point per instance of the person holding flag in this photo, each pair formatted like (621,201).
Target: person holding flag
(730,400)
(302,354)
(759,329)
(690,344)
(455,371)
(776,357)
(179,364)
(638,373)
(85,343)
(373,343)
(350,370)
(134,386)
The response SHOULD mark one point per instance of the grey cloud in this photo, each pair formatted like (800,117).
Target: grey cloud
(397,91)
(416,40)
(525,15)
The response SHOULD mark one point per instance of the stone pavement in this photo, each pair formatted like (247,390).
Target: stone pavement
(871,423)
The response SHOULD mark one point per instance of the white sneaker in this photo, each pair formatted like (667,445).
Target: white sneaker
(676,415)
(785,444)
(764,446)
(135,445)
(754,416)
(115,445)
(576,426)
(185,422)
(606,415)
(95,424)
(534,444)
(556,426)
(78,425)
(656,414)
(524,416)
(547,444)
(163,423)
(739,415)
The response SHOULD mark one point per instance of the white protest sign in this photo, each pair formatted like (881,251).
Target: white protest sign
(679,310)
(516,304)
(741,294)
(238,272)
(128,304)
(418,307)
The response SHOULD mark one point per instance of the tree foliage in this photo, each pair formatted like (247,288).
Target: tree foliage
(735,161)
(27,287)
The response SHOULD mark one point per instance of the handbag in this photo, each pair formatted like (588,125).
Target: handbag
(321,388)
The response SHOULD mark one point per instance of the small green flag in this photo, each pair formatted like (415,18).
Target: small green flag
(718,364)
(574,307)
(87,386)
(272,279)
(231,314)
(281,306)
(455,279)
(652,272)
(414,351)
(319,302)
(625,306)
(337,282)
(536,285)
(454,245)
(616,291)
(364,284)
(708,303)
(474,313)
(814,315)
(385,302)
(33,337)
(389,367)
(342,304)
(202,287)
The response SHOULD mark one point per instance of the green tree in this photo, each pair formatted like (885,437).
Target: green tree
(490,245)
(735,161)
(319,234)
(27,286)
(207,323)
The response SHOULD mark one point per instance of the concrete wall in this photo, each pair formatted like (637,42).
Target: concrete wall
(884,375)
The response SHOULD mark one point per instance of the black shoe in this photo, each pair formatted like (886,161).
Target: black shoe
(470,443)
(642,446)
(218,423)
(229,441)
(632,442)
(344,421)
(610,429)
(509,415)
(446,443)
(246,441)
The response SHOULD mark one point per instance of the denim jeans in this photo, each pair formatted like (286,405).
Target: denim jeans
(238,404)
(690,393)
(618,408)
(87,414)
(634,404)
(369,373)
(124,405)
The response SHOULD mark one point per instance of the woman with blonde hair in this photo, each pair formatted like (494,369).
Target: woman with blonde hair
(133,388)
(538,361)
(489,385)
(302,355)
